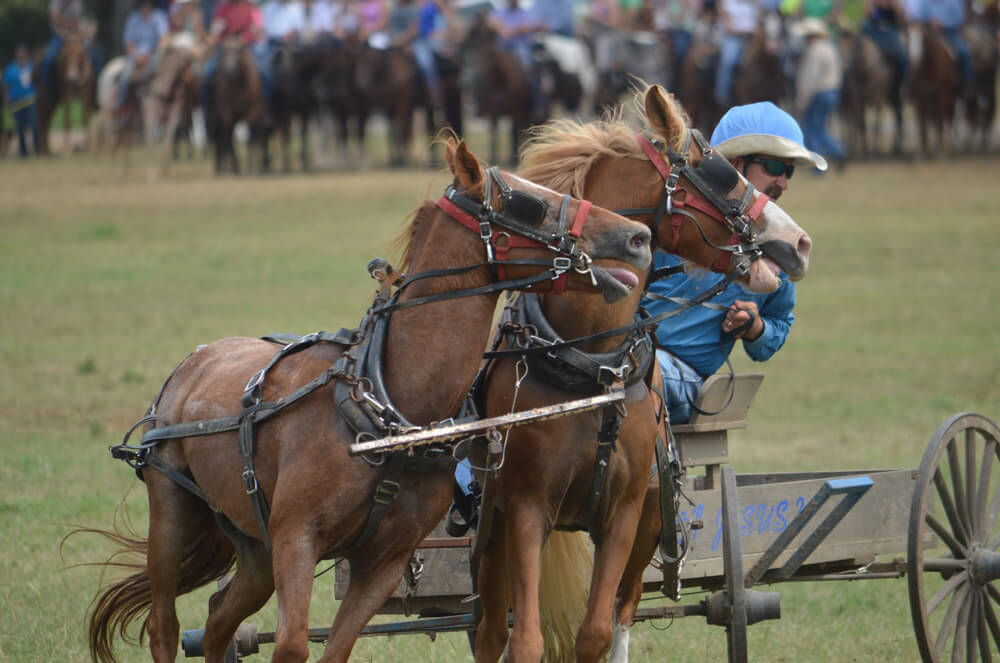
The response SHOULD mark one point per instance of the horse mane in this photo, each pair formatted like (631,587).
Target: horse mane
(560,153)
(403,242)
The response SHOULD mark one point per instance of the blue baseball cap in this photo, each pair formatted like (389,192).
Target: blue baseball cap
(763,128)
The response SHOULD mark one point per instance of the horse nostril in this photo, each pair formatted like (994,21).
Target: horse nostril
(639,240)
(804,246)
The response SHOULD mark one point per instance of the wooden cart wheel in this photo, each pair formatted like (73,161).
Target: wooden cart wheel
(952,543)
(732,558)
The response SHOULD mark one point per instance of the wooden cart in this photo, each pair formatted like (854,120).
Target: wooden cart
(744,530)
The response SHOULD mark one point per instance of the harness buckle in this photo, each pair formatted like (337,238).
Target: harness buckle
(254,382)
(376,405)
(250,479)
(386,491)
(562,264)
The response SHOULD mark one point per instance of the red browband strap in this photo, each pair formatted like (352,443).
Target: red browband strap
(508,241)
(690,199)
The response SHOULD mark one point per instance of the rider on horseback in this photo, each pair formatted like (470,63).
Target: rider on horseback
(948,17)
(67,20)
(739,22)
(146,30)
(517,27)
(765,144)
(238,18)
(883,23)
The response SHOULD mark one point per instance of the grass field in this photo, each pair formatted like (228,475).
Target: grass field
(105,285)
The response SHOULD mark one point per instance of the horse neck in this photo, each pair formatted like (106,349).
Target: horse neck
(580,314)
(433,350)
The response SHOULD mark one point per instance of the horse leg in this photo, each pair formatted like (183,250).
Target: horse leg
(176,520)
(294,560)
(494,595)
(610,557)
(246,593)
(526,531)
(67,138)
(304,142)
(630,592)
(371,584)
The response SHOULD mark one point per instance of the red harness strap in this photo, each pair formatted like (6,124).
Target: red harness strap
(503,241)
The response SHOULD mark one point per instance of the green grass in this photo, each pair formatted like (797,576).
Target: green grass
(107,283)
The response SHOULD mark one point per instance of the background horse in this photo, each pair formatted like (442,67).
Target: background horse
(170,97)
(759,76)
(502,86)
(546,477)
(981,102)
(866,87)
(935,86)
(72,78)
(319,495)
(238,95)
(295,97)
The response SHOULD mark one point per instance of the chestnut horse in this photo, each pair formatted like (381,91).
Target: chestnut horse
(546,479)
(867,78)
(935,86)
(72,77)
(238,95)
(320,498)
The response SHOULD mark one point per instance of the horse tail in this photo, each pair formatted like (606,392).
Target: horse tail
(567,567)
(113,610)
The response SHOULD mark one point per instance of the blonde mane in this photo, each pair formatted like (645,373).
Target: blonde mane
(560,153)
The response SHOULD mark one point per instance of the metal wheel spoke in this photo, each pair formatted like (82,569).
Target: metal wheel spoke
(948,505)
(954,584)
(970,483)
(991,620)
(958,485)
(945,564)
(950,621)
(957,549)
(984,528)
(982,635)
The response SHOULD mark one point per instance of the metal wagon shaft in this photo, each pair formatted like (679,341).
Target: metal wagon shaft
(456,431)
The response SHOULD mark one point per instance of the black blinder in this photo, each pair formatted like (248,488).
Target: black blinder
(524,208)
(720,175)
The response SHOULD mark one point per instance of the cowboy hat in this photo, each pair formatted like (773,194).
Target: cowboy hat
(763,128)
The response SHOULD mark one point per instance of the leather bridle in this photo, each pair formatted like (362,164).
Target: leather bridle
(712,179)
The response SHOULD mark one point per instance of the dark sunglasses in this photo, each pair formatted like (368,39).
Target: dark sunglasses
(774,167)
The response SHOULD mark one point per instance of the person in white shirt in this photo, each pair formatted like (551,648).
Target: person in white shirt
(284,21)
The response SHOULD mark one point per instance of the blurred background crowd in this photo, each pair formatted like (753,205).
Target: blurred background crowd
(191,71)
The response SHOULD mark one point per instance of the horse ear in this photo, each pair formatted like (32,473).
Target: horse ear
(664,116)
(465,165)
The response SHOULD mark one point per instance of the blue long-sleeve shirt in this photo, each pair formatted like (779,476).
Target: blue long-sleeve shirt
(20,90)
(949,13)
(695,336)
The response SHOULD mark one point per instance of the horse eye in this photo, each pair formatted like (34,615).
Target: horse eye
(525,208)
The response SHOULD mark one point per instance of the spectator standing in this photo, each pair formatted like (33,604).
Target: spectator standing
(818,83)
(21,98)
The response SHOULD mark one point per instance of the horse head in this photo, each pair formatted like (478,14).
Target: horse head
(75,63)
(742,217)
(597,249)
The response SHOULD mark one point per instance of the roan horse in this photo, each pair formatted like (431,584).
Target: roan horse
(320,498)
(547,477)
